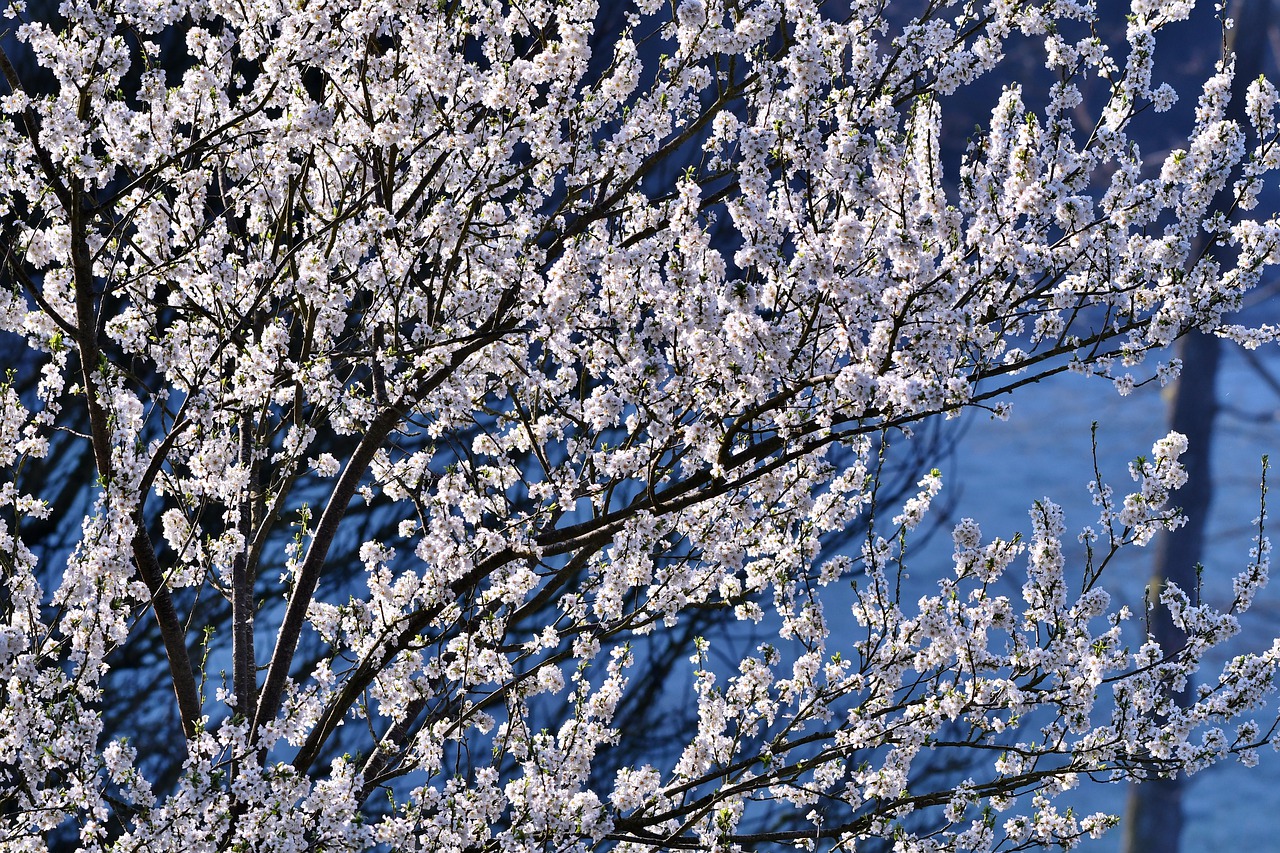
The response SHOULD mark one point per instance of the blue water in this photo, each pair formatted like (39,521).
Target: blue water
(1044,450)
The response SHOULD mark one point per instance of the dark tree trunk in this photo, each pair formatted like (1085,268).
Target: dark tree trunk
(1153,817)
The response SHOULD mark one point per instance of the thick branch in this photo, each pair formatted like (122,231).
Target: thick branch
(144,555)
(245,667)
(308,574)
(175,646)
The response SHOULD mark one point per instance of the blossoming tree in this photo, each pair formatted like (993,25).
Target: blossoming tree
(616,340)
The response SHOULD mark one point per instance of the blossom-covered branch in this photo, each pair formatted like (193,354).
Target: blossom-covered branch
(465,347)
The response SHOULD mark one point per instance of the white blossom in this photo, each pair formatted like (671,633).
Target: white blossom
(612,334)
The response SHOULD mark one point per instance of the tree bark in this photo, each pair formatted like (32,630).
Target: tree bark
(1153,817)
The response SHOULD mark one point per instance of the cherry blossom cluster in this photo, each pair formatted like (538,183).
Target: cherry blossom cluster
(473,353)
